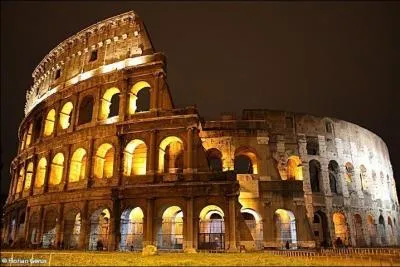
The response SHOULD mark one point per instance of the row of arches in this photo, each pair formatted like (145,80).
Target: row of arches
(109,107)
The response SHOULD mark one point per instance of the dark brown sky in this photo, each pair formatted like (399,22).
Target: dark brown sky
(336,59)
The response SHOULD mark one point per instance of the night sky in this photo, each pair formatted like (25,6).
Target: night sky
(333,59)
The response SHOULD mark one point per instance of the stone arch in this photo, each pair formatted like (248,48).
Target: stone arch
(104,161)
(382,230)
(34,229)
(136,96)
(40,172)
(334,177)
(359,233)
(315,175)
(20,179)
(29,135)
(391,232)
(254,222)
(170,236)
(170,155)
(349,172)
(135,158)
(56,170)
(363,178)
(28,176)
(211,228)
(65,115)
(72,229)
(214,158)
(99,229)
(86,110)
(131,229)
(321,229)
(49,122)
(341,229)
(285,228)
(78,165)
(49,229)
(246,160)
(109,103)
(372,230)
(294,168)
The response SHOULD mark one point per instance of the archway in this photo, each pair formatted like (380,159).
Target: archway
(139,97)
(135,158)
(382,230)
(72,229)
(99,229)
(360,241)
(214,158)
(77,166)
(294,169)
(341,230)
(132,229)
(40,172)
(349,174)
(245,161)
(334,181)
(170,155)
(65,115)
(391,234)
(321,229)
(49,229)
(56,170)
(49,123)
(171,236)
(211,228)
(109,104)
(285,228)
(315,175)
(372,230)
(28,176)
(34,224)
(86,110)
(254,222)
(104,161)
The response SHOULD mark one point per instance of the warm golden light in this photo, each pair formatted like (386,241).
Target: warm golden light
(207,211)
(294,168)
(133,95)
(28,176)
(135,156)
(77,166)
(20,181)
(29,135)
(56,171)
(41,172)
(104,161)
(170,148)
(65,115)
(105,104)
(49,123)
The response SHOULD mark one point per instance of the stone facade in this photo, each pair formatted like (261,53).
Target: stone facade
(104,166)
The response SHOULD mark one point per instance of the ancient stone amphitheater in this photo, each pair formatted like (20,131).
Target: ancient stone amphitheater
(106,162)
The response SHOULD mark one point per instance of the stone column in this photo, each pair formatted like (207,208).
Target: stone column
(122,100)
(189,226)
(155,92)
(47,176)
(189,149)
(232,224)
(89,163)
(41,224)
(59,224)
(115,223)
(269,226)
(26,225)
(34,171)
(67,164)
(152,166)
(148,238)
(85,224)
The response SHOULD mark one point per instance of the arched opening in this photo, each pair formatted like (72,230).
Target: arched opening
(391,234)
(109,104)
(104,162)
(254,222)
(33,235)
(49,229)
(77,166)
(171,235)
(321,229)
(28,176)
(363,178)
(65,115)
(285,228)
(360,241)
(341,230)
(29,135)
(382,230)
(131,229)
(72,229)
(86,110)
(211,228)
(139,98)
(294,169)
(20,228)
(315,175)
(312,145)
(135,157)
(214,158)
(333,169)
(23,141)
(37,128)
(245,161)
(56,170)
(99,229)
(20,182)
(12,231)
(40,172)
(170,155)
(349,174)
(372,230)
(49,123)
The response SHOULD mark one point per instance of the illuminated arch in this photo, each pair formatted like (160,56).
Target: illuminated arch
(49,123)
(315,175)
(211,228)
(359,233)
(85,114)
(372,230)
(340,226)
(254,223)
(78,165)
(49,229)
(104,161)
(99,229)
(135,157)
(285,227)
(294,168)
(170,155)
(40,172)
(334,181)
(246,156)
(72,229)
(214,158)
(171,232)
(109,104)
(133,95)
(65,115)
(28,176)
(57,168)
(349,172)
(20,182)
(29,135)
(131,229)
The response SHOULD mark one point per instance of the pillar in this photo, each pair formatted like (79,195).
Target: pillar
(189,149)
(83,237)
(188,243)
(232,224)
(155,92)
(152,168)
(59,224)
(148,237)
(115,224)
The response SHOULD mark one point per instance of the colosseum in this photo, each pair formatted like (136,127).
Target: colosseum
(106,162)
